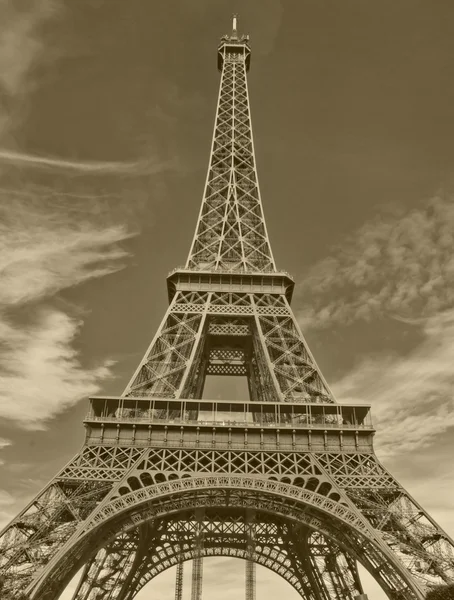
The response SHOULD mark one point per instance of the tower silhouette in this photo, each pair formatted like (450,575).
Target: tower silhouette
(286,478)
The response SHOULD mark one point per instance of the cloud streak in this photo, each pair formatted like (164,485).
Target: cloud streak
(44,250)
(401,266)
(22,159)
(3,444)
(46,247)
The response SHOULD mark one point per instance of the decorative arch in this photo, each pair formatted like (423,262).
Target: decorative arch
(339,521)
(280,546)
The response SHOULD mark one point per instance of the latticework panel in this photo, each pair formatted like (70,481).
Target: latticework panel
(295,370)
(162,371)
(270,464)
(335,569)
(421,545)
(106,575)
(39,531)
(231,233)
(293,553)
(101,463)
(278,361)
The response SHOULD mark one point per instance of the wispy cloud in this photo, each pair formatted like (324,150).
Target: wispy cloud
(20,46)
(396,267)
(412,395)
(21,159)
(46,247)
(401,266)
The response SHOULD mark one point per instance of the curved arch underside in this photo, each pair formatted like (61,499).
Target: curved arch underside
(335,520)
(294,552)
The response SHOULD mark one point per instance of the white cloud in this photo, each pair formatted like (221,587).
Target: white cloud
(45,247)
(22,47)
(412,396)
(401,266)
(41,372)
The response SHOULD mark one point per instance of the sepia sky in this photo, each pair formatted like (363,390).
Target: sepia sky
(106,115)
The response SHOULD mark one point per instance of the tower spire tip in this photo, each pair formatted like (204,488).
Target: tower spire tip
(234,25)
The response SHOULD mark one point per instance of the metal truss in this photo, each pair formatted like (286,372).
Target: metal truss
(179,578)
(274,545)
(250,556)
(288,479)
(231,232)
(197,563)
(357,499)
(33,536)
(255,335)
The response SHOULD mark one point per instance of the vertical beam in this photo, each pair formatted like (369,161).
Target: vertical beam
(197,577)
(179,579)
(250,579)
(250,556)
(197,563)
(196,383)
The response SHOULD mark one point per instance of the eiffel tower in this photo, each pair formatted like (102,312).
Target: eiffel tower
(286,478)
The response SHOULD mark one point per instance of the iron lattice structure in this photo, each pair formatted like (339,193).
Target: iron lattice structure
(286,478)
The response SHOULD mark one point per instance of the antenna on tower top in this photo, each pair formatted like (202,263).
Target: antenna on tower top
(234,22)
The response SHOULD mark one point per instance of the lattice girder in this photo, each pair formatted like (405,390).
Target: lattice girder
(178,360)
(231,232)
(364,480)
(276,546)
(52,517)
(346,529)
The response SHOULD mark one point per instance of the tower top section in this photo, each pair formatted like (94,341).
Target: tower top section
(231,235)
(234,45)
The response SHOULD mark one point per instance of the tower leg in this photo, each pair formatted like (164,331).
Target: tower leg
(197,565)
(110,573)
(250,558)
(250,579)
(179,579)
